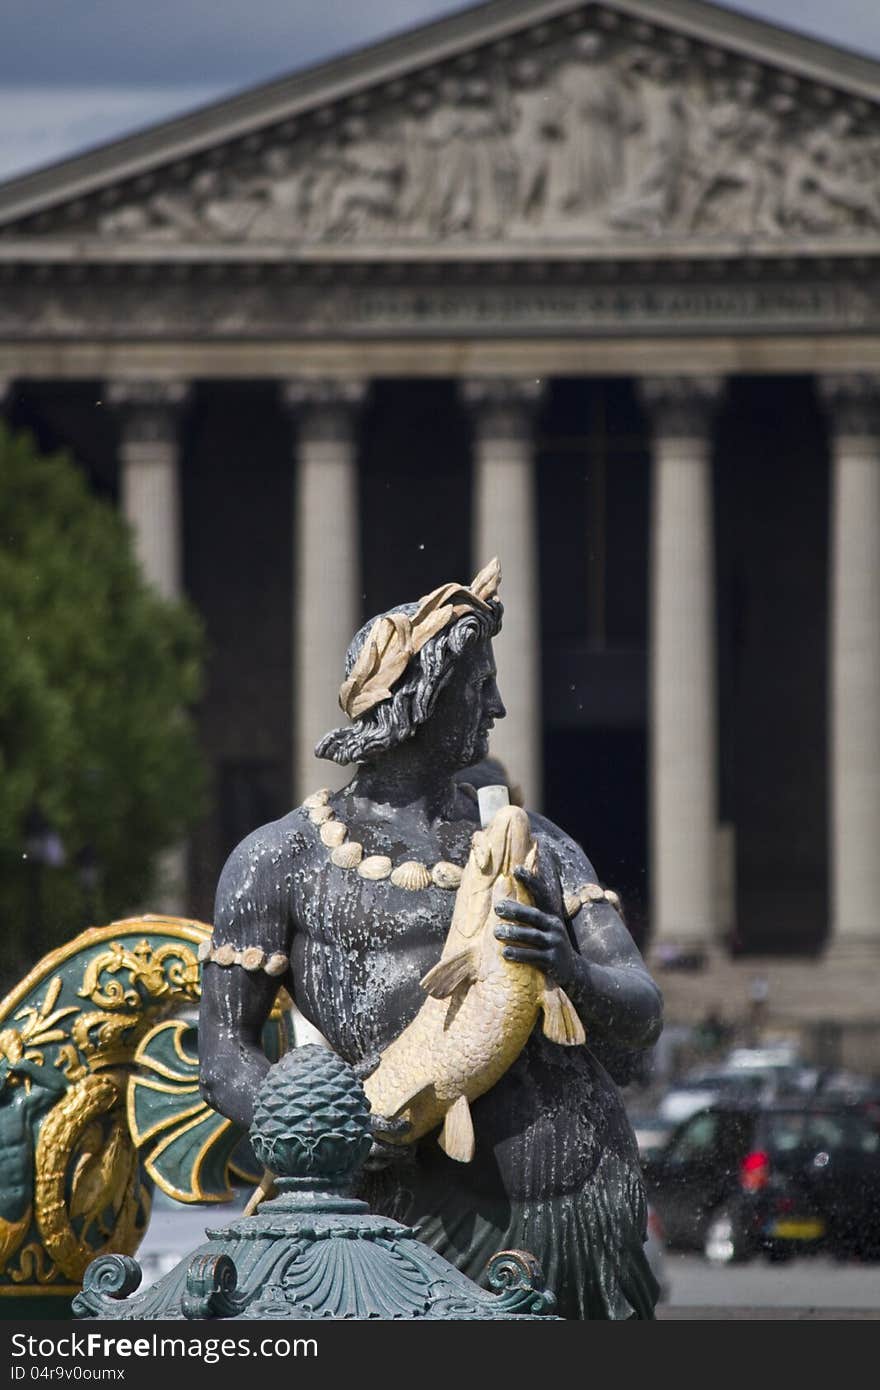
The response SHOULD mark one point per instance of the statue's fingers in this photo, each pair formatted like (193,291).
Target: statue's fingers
(527,956)
(543,885)
(528,878)
(383,1124)
(521,936)
(525,913)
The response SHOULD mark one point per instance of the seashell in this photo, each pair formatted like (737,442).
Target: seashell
(252,957)
(446,875)
(591,892)
(333,832)
(317,798)
(612,897)
(375,866)
(320,814)
(224,955)
(276,964)
(573,904)
(412,875)
(347,856)
(204,950)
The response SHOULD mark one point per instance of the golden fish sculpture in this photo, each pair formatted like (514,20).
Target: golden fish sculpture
(481,1008)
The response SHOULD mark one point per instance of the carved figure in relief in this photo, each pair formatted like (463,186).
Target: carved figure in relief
(832,177)
(353,893)
(586,137)
(736,163)
(650,198)
(366,192)
(599,116)
(538,138)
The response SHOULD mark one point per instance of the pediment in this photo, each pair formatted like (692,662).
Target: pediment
(550,126)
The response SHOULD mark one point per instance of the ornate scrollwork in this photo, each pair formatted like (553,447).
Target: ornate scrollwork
(517,1278)
(108,1279)
(211,1281)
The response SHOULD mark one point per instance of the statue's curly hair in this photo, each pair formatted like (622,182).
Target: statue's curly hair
(415,693)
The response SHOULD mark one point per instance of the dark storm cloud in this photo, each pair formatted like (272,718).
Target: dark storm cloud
(237,42)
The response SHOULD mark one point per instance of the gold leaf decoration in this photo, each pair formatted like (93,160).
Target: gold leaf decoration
(395,639)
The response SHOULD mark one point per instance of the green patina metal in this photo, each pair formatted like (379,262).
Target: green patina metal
(99,1100)
(314,1250)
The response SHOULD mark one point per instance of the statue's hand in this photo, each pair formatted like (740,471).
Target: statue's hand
(385,1154)
(536,933)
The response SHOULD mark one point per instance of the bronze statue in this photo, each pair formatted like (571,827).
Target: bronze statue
(348,901)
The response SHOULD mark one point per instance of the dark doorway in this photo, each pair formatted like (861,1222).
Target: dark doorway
(415,492)
(772,548)
(595,789)
(593,491)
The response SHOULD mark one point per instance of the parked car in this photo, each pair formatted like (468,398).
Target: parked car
(739,1178)
(651,1131)
(655,1253)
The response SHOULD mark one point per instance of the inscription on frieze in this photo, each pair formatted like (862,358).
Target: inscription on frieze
(274,310)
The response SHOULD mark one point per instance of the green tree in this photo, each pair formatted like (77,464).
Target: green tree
(98,675)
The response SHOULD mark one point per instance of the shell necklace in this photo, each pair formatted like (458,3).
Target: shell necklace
(413,875)
(349,854)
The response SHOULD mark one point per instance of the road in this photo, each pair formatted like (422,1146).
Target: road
(806,1283)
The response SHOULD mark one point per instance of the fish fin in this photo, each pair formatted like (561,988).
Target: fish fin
(457,1136)
(398,1110)
(446,976)
(561,1022)
(531,860)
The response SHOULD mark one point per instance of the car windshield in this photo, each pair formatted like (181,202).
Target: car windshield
(791,1132)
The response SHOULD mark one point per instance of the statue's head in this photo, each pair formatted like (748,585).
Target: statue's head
(424,669)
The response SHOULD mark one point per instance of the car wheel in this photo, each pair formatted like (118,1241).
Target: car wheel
(724,1242)
(778,1255)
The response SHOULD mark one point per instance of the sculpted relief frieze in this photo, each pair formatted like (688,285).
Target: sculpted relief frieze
(596,136)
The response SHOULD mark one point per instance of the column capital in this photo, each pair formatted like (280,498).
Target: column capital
(852,400)
(325,407)
(681,406)
(502,407)
(149,409)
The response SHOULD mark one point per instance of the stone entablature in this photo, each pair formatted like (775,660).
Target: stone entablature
(230,303)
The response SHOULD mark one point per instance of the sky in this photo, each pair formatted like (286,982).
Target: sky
(77,73)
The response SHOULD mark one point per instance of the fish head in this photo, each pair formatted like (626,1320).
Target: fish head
(509,839)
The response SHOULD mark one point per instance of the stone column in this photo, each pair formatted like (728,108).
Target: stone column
(327,606)
(505,524)
(150,491)
(682,732)
(150,499)
(854,665)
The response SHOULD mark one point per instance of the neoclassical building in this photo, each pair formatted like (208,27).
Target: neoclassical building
(590,286)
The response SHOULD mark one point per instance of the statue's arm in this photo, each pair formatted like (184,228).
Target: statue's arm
(591,955)
(251,910)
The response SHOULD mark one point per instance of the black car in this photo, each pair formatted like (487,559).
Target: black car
(738,1179)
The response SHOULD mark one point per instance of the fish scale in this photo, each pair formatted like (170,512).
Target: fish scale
(481,1008)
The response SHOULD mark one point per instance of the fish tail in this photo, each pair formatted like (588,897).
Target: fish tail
(561,1021)
(457,1136)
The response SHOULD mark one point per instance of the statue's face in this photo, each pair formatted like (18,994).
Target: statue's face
(468,707)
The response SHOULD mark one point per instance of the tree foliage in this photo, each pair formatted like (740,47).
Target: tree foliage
(98,676)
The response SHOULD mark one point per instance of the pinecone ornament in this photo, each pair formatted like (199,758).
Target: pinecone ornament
(311,1125)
